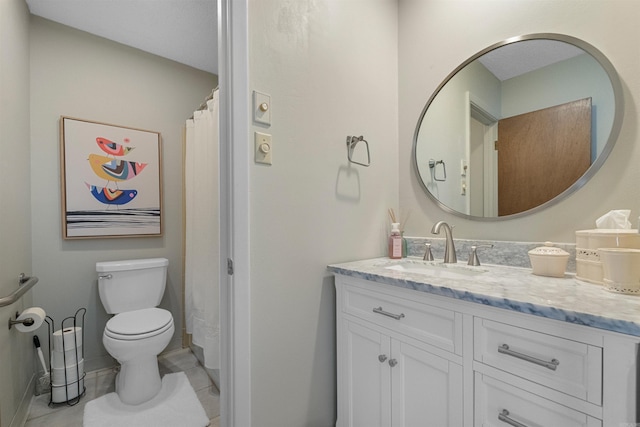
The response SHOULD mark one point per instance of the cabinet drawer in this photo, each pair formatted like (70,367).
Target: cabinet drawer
(429,324)
(501,405)
(568,366)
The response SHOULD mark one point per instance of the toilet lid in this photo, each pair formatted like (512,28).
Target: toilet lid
(139,323)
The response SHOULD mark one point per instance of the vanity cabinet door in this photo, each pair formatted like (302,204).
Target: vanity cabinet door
(426,389)
(364,389)
(384,382)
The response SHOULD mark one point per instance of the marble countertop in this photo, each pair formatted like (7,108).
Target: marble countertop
(513,288)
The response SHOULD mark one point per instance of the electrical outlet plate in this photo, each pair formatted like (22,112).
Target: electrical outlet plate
(263,148)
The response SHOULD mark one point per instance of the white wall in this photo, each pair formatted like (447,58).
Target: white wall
(79,75)
(330,69)
(16,349)
(441,31)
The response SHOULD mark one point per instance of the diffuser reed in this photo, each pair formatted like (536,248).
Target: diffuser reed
(394,218)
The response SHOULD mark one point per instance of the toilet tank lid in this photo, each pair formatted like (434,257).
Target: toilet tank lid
(131,264)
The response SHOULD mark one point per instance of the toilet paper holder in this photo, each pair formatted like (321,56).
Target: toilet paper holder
(71,355)
(28,321)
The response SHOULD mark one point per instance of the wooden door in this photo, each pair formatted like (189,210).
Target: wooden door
(541,154)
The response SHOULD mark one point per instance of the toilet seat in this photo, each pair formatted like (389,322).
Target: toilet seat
(139,324)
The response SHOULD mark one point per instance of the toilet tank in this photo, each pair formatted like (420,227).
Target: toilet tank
(131,284)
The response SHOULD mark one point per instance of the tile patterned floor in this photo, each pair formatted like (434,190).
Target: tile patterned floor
(101,382)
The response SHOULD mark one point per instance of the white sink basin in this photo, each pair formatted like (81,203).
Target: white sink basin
(435,269)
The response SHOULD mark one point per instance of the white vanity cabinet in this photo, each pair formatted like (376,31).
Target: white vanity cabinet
(532,375)
(407,358)
(396,360)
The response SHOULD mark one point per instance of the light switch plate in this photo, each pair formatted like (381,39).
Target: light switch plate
(262,108)
(263,148)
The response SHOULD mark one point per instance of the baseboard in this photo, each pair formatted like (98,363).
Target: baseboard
(20,417)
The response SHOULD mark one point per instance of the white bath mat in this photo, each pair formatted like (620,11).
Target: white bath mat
(175,405)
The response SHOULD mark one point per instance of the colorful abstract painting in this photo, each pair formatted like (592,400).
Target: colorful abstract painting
(111,180)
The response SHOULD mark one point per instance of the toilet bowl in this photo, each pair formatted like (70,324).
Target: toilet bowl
(138,331)
(135,339)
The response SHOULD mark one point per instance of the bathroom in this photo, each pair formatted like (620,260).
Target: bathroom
(323,211)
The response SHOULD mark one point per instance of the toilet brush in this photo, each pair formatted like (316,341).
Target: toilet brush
(43,384)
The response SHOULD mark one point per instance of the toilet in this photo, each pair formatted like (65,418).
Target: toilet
(139,330)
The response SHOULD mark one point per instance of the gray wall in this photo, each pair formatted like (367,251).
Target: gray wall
(441,29)
(16,349)
(330,69)
(79,75)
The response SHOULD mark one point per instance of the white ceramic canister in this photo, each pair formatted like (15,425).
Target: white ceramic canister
(621,267)
(548,260)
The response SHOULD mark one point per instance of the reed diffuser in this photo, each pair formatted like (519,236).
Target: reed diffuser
(401,224)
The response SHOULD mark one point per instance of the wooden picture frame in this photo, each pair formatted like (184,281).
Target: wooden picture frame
(111,180)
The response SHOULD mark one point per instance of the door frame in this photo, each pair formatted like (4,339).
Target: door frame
(235,313)
(480,110)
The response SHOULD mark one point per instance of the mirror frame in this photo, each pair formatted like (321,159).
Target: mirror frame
(595,166)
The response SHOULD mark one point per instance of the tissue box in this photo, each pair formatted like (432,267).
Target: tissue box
(588,263)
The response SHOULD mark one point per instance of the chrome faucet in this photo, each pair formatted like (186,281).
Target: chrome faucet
(450,248)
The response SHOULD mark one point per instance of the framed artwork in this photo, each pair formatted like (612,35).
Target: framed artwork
(111,180)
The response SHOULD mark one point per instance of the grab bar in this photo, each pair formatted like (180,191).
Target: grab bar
(24,284)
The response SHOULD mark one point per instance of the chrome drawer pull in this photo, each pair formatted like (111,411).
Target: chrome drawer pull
(550,365)
(379,310)
(504,417)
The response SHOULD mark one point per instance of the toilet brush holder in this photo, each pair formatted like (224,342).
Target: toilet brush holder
(66,359)
(43,383)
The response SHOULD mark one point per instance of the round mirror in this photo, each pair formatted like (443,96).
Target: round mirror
(518,127)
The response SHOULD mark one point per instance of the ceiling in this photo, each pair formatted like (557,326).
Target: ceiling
(520,58)
(186,31)
(181,30)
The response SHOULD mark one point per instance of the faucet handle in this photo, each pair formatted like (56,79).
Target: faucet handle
(428,256)
(473,255)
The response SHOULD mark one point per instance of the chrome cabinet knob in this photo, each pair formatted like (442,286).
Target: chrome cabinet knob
(393,362)
(382,358)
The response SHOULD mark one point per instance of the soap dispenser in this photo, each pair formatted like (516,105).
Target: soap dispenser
(395,242)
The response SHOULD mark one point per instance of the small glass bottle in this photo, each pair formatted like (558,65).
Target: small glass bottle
(405,248)
(395,242)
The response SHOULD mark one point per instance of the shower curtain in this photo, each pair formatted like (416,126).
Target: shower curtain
(201,231)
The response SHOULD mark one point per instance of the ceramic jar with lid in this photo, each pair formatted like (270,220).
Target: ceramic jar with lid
(548,260)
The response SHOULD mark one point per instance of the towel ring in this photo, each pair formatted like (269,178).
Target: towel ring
(433,164)
(352,141)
